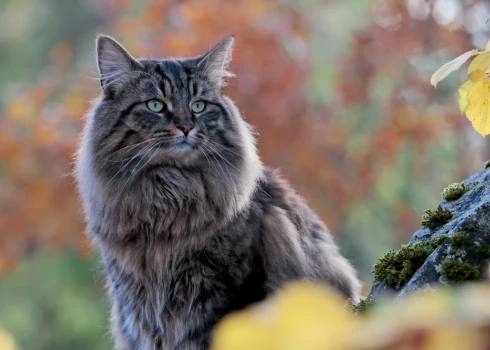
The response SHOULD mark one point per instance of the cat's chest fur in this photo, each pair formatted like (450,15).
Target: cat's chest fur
(177,263)
(167,203)
(162,288)
(157,291)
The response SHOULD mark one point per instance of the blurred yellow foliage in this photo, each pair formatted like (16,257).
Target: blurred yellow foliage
(308,316)
(20,110)
(6,341)
(303,315)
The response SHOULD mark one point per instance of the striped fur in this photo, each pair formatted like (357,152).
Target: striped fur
(188,227)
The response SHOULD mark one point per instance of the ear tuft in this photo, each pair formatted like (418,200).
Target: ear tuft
(215,62)
(114,62)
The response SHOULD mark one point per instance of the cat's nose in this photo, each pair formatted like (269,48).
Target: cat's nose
(185,128)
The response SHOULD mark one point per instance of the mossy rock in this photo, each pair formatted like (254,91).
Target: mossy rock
(396,267)
(482,251)
(457,271)
(459,257)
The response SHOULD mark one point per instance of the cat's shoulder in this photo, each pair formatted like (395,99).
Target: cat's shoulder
(274,189)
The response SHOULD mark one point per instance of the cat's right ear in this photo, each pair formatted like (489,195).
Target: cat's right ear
(114,62)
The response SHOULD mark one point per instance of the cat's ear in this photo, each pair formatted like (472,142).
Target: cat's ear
(215,62)
(114,62)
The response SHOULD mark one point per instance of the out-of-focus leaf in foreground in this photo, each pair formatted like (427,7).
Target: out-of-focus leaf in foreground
(6,341)
(306,316)
(302,316)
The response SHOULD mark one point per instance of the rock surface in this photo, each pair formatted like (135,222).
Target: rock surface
(471,214)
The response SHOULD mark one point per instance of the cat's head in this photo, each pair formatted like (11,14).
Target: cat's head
(162,135)
(169,112)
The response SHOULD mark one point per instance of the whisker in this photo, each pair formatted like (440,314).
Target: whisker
(207,158)
(204,153)
(126,165)
(135,172)
(226,160)
(222,157)
(222,147)
(222,167)
(142,157)
(112,81)
(105,148)
(105,76)
(128,148)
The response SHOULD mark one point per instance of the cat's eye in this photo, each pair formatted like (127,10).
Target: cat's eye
(155,105)
(198,106)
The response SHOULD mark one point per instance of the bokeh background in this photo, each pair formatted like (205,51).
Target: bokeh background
(338,90)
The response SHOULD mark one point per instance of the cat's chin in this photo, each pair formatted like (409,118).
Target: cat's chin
(183,154)
(181,150)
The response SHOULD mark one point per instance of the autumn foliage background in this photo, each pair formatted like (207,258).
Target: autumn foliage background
(338,91)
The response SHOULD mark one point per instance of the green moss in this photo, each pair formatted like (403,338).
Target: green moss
(362,307)
(436,218)
(454,191)
(437,241)
(487,164)
(396,267)
(460,240)
(481,252)
(455,270)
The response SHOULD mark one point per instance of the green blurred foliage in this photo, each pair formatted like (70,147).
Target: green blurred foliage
(31,28)
(55,301)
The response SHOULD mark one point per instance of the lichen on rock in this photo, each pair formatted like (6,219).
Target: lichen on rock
(461,256)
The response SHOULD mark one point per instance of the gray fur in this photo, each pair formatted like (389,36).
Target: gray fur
(188,227)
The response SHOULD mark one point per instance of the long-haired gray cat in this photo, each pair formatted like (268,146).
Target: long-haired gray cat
(189,224)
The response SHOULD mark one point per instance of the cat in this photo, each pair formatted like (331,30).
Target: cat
(188,222)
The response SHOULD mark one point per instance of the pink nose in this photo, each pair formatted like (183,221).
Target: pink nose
(185,128)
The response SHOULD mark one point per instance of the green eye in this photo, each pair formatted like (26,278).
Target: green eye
(198,106)
(155,105)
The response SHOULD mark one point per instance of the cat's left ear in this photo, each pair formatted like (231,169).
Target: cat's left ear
(215,62)
(114,62)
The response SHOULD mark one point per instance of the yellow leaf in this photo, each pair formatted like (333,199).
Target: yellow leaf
(450,67)
(481,62)
(488,46)
(6,341)
(455,338)
(477,75)
(478,110)
(301,316)
(463,95)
